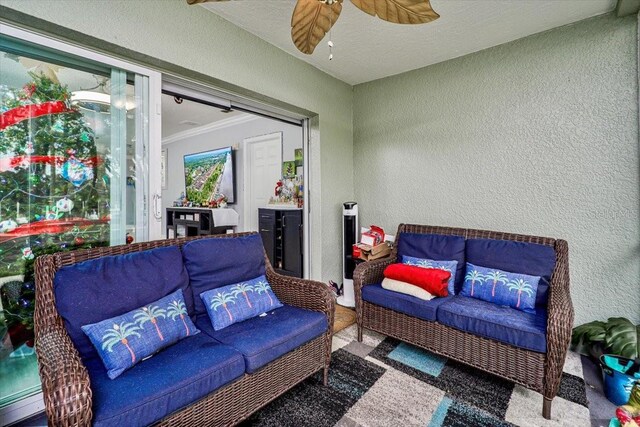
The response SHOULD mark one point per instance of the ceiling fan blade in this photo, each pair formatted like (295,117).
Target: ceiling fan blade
(310,21)
(399,11)
(202,1)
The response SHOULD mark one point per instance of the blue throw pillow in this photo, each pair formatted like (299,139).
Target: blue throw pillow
(124,340)
(501,287)
(450,266)
(240,301)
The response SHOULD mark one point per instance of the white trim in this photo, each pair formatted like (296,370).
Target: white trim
(155,149)
(306,207)
(209,127)
(22,409)
(73,49)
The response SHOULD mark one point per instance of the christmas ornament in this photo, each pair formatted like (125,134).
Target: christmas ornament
(58,126)
(64,205)
(29,89)
(78,241)
(8,226)
(85,137)
(76,172)
(29,149)
(27,253)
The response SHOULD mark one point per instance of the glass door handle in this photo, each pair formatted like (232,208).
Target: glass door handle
(157,206)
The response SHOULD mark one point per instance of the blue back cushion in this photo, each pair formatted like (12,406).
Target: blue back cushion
(125,340)
(436,247)
(234,303)
(518,257)
(217,262)
(95,290)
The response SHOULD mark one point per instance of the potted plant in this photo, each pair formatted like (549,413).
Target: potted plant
(617,336)
(616,345)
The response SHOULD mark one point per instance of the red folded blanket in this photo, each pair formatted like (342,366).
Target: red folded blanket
(432,280)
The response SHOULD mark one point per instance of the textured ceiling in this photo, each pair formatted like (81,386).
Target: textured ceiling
(367,48)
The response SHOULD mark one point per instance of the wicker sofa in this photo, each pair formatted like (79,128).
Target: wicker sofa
(539,369)
(75,393)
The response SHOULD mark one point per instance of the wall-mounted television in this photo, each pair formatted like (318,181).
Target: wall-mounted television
(209,173)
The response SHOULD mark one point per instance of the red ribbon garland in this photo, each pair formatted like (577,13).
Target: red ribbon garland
(16,115)
(54,226)
(10,163)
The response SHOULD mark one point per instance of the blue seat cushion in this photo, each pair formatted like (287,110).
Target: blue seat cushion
(168,381)
(437,247)
(212,263)
(99,289)
(517,257)
(402,303)
(500,323)
(264,339)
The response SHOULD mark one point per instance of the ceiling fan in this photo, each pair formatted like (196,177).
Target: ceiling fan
(312,19)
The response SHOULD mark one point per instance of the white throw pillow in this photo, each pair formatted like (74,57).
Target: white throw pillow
(406,288)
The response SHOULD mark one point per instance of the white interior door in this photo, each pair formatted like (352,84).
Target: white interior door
(262,169)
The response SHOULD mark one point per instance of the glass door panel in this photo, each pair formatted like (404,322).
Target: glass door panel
(71,146)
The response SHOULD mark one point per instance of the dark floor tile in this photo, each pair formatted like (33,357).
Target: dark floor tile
(461,415)
(572,388)
(311,403)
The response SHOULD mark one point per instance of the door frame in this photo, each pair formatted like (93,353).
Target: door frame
(198,90)
(246,171)
(31,405)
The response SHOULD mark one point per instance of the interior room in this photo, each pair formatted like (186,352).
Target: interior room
(320,213)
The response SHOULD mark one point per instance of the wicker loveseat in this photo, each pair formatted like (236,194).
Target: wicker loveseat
(458,327)
(174,387)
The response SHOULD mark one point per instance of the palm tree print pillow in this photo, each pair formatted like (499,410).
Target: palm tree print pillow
(125,340)
(449,266)
(501,287)
(240,301)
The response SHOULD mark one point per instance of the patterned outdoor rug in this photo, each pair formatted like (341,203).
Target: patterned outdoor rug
(384,382)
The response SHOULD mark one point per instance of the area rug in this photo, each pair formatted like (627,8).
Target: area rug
(384,382)
(344,317)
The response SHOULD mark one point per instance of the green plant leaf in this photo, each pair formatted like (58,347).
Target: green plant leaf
(589,333)
(623,337)
(587,337)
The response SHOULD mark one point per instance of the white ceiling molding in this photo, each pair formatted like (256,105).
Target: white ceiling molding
(220,124)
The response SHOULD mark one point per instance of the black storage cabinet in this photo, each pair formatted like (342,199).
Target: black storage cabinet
(282,235)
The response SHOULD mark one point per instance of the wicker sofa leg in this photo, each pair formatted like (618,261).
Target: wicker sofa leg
(325,379)
(546,408)
(359,333)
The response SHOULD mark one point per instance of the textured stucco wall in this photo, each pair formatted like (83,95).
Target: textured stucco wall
(537,136)
(196,39)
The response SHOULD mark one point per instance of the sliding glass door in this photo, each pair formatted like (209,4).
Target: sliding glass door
(73,174)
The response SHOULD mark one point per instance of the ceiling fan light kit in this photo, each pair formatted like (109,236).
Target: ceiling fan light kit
(313,19)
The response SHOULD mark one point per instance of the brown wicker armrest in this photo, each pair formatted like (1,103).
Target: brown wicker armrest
(365,274)
(303,293)
(370,272)
(559,320)
(65,381)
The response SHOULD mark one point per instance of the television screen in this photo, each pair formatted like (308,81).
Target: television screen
(209,174)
